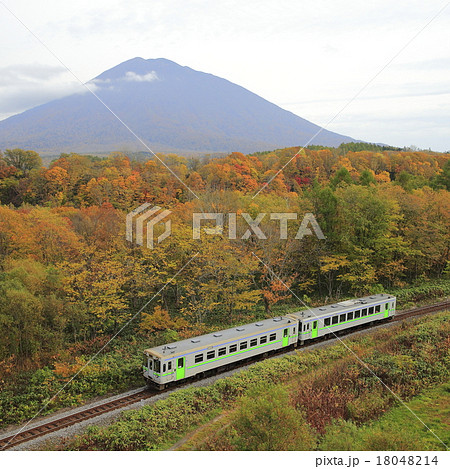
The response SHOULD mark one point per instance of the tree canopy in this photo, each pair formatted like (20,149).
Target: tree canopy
(67,271)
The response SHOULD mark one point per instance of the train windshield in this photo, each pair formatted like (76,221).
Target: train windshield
(147,361)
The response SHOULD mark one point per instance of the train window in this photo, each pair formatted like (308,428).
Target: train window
(364,312)
(210,355)
(180,363)
(150,364)
(342,318)
(371,310)
(243,345)
(164,368)
(293,331)
(222,351)
(327,321)
(157,366)
(272,337)
(357,314)
(263,339)
(169,366)
(377,308)
(233,348)
(198,358)
(350,316)
(334,320)
(387,306)
(253,342)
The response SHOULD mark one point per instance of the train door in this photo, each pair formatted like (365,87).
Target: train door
(180,367)
(314,330)
(285,337)
(386,311)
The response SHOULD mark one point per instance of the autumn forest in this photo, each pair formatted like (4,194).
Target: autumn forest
(68,274)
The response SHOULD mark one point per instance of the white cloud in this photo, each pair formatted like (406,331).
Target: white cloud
(132,76)
(90,86)
(29,73)
(95,85)
(23,86)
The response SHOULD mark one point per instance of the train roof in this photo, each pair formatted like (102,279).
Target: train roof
(207,341)
(347,305)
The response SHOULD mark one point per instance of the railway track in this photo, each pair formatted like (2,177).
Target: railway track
(25,435)
(29,434)
(400,315)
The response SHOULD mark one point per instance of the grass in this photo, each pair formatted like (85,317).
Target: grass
(400,429)
(432,407)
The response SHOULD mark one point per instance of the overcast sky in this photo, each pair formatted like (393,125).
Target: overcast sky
(309,57)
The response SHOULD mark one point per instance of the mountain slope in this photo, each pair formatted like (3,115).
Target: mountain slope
(170,107)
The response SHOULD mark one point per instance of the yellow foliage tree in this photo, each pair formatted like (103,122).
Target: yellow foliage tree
(159,320)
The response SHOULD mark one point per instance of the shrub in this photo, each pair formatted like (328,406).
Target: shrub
(264,420)
(340,435)
(369,406)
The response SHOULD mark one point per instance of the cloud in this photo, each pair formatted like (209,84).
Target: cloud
(96,84)
(90,86)
(23,86)
(132,76)
(29,73)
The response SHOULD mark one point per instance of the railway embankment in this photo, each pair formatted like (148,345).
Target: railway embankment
(353,384)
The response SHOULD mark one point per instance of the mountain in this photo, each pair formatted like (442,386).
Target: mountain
(170,107)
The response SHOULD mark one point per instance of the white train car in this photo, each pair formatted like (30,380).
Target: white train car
(199,355)
(331,319)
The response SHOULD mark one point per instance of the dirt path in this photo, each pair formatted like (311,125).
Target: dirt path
(192,434)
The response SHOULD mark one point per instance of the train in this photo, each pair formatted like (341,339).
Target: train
(215,352)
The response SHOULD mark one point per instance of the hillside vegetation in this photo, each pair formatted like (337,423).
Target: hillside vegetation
(69,280)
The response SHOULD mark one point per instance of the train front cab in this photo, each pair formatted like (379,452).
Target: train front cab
(159,371)
(152,370)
